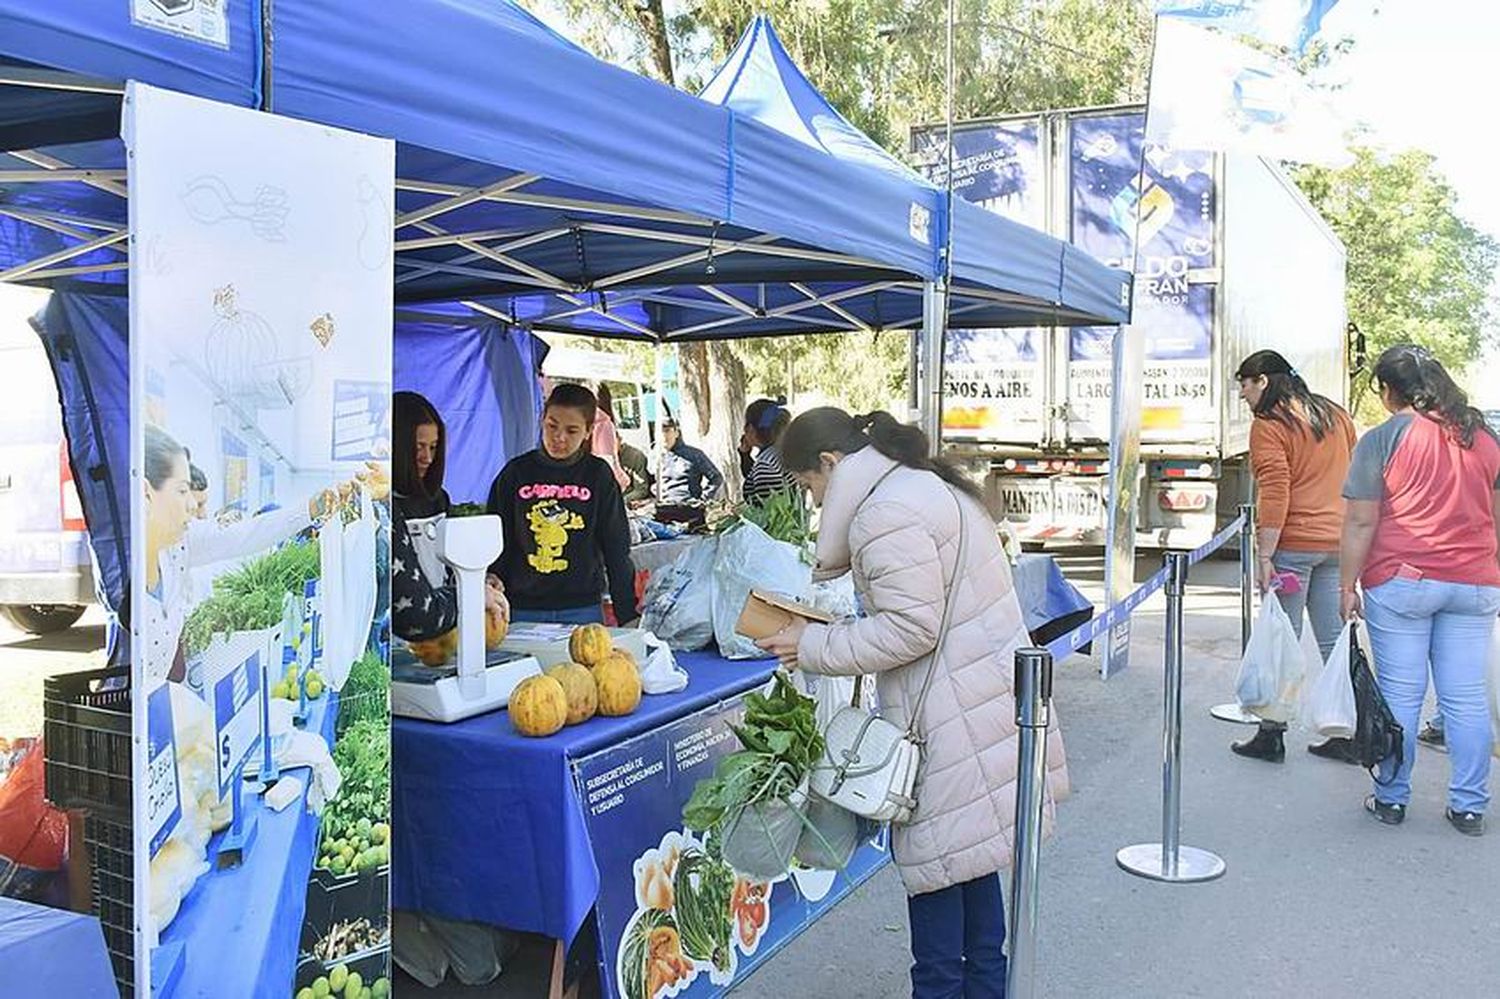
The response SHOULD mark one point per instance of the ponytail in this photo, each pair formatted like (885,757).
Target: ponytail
(1417,379)
(828,429)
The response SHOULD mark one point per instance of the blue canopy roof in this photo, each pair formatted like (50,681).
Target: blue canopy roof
(761,81)
(533,177)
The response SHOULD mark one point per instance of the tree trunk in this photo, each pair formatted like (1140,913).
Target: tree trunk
(727,413)
(652,19)
(692,378)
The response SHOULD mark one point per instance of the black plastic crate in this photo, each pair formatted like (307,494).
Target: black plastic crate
(111,852)
(86,730)
(334,899)
(372,965)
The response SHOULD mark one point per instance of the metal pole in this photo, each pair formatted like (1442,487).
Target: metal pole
(1169,860)
(1033,693)
(1231,711)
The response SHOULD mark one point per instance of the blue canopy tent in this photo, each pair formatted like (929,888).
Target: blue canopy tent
(538,187)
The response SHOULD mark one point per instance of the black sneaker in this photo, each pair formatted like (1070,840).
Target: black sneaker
(1433,736)
(1338,749)
(1468,823)
(1391,815)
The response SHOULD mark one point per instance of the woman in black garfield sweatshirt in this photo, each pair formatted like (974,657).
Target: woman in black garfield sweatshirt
(564,522)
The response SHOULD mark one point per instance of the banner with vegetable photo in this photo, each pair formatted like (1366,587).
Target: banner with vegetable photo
(258,842)
(675,916)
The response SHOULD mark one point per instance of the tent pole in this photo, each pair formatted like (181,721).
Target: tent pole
(934,314)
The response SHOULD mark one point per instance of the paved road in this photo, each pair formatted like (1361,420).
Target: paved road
(1319,900)
(25,660)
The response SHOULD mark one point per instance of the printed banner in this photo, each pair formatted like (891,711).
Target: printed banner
(258,230)
(997,166)
(1288,23)
(993,385)
(633,795)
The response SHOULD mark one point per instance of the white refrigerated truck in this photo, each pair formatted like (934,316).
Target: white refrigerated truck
(1233,259)
(46,576)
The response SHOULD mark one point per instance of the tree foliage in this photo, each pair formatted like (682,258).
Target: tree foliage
(1417,271)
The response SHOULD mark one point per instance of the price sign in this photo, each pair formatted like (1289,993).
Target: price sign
(237,714)
(163,796)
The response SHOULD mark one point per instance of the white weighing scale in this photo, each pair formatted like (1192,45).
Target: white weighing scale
(481,681)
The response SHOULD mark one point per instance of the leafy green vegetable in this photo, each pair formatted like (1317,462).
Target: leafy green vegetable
(284,570)
(366,693)
(781,745)
(783,515)
(356,827)
(703,887)
(466,510)
(250,598)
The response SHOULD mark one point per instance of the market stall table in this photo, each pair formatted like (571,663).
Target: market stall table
(32,937)
(488,825)
(244,925)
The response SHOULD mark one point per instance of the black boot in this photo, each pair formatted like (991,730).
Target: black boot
(1335,748)
(1266,745)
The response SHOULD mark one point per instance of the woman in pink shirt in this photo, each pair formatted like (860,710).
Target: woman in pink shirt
(605,440)
(1420,540)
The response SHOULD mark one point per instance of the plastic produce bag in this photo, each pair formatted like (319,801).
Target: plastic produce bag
(679,604)
(660,673)
(1272,667)
(760,839)
(749,558)
(1328,702)
(829,836)
(357,592)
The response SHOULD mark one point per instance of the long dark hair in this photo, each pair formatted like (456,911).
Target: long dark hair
(768,420)
(572,396)
(1283,387)
(410,411)
(833,430)
(605,400)
(1417,379)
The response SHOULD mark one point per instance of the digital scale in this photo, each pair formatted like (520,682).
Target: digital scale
(481,681)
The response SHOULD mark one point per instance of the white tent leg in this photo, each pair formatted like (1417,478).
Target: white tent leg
(930,402)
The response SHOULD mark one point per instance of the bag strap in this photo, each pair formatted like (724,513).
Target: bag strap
(950,598)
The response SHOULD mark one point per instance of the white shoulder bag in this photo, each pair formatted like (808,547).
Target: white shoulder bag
(870,766)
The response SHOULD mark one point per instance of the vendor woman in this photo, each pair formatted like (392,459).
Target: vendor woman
(424,590)
(565,523)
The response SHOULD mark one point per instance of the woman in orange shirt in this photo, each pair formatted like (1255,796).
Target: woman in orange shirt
(1300,448)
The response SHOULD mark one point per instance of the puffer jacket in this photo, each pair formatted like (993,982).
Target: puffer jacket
(898,533)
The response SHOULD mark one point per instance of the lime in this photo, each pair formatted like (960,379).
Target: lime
(279,690)
(380,832)
(338,978)
(348,853)
(320,987)
(381,989)
(306,994)
(366,993)
(364,828)
(315,689)
(338,866)
(354,986)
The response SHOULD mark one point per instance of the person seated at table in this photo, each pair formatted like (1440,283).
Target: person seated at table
(564,521)
(633,461)
(685,474)
(760,456)
(424,589)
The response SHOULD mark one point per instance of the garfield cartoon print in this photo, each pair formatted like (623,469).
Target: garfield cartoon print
(551,524)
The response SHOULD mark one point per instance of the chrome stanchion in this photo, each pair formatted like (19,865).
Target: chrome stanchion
(1232,712)
(1169,860)
(1033,692)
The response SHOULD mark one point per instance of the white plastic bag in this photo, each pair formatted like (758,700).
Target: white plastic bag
(679,604)
(749,558)
(1272,667)
(357,593)
(660,673)
(1328,702)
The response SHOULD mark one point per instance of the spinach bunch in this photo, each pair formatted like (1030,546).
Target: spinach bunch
(781,744)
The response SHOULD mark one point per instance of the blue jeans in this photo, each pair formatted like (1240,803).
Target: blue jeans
(592,614)
(1417,623)
(1318,572)
(958,941)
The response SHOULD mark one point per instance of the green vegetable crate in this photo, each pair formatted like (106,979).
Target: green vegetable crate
(372,967)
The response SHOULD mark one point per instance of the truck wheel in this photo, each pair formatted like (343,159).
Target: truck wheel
(40,619)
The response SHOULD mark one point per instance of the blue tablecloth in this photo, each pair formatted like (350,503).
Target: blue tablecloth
(1050,605)
(49,952)
(488,824)
(240,929)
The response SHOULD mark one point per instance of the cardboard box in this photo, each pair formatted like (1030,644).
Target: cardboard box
(765,614)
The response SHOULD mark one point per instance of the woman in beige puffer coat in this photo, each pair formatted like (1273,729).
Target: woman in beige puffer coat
(891,516)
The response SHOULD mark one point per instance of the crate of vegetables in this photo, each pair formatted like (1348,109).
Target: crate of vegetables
(364,976)
(351,875)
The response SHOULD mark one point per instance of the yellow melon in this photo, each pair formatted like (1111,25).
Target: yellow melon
(589,644)
(495,629)
(619,684)
(436,651)
(578,684)
(538,706)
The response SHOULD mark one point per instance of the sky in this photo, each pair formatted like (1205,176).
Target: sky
(1422,76)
